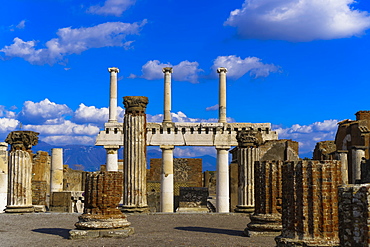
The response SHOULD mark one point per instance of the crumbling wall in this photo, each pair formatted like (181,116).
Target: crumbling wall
(324,150)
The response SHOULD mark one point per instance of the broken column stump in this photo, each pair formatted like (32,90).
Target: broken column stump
(309,206)
(266,219)
(101,217)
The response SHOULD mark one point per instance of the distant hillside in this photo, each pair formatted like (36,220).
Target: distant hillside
(89,158)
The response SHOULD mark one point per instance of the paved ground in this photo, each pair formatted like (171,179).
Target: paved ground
(51,229)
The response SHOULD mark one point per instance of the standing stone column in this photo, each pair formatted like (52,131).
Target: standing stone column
(101,217)
(167,179)
(134,196)
(3,175)
(167,95)
(112,158)
(358,153)
(222,180)
(266,219)
(343,157)
(247,153)
(20,171)
(113,94)
(222,95)
(56,176)
(309,205)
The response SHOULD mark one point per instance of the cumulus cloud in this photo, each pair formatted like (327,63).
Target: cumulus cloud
(8,124)
(111,7)
(184,152)
(43,112)
(298,20)
(184,71)
(65,128)
(91,114)
(309,135)
(74,41)
(237,67)
(68,140)
(183,118)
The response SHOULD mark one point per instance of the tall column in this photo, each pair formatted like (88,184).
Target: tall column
(3,175)
(20,171)
(222,180)
(134,196)
(343,157)
(167,95)
(56,176)
(222,95)
(167,179)
(112,158)
(113,94)
(358,153)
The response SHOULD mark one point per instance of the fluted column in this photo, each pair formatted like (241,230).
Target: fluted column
(222,180)
(113,94)
(167,179)
(56,176)
(222,95)
(167,95)
(20,171)
(134,196)
(3,175)
(246,158)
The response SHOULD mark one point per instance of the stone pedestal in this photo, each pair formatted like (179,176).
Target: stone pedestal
(101,217)
(134,195)
(310,196)
(3,175)
(266,219)
(354,215)
(20,171)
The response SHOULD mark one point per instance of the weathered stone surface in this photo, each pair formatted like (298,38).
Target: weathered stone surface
(249,138)
(193,197)
(135,105)
(22,140)
(354,215)
(309,193)
(3,175)
(112,233)
(324,150)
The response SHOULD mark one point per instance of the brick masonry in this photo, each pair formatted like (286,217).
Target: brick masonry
(309,211)
(354,215)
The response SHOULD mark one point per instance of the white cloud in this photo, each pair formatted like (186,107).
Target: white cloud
(68,140)
(112,7)
(91,114)
(185,152)
(212,108)
(8,124)
(182,118)
(42,112)
(309,135)
(184,71)
(74,41)
(65,128)
(21,24)
(237,67)
(298,20)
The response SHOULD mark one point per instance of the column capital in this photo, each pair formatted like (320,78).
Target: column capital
(221,147)
(221,69)
(167,69)
(113,69)
(135,104)
(167,147)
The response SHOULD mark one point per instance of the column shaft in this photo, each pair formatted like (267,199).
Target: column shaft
(167,181)
(222,95)
(56,176)
(167,95)
(113,94)
(222,180)
(112,159)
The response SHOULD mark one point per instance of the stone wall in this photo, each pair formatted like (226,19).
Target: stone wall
(73,180)
(309,212)
(354,215)
(324,150)
(279,150)
(41,178)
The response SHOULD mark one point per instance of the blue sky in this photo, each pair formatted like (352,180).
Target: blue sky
(301,65)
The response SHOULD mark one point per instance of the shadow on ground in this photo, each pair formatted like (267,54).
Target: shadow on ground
(211,230)
(54,231)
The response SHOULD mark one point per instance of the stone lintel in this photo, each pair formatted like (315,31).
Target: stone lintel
(167,69)
(101,233)
(113,69)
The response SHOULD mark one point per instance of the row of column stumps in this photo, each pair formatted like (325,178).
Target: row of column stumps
(167,201)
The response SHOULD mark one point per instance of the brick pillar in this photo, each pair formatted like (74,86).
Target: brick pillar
(101,217)
(266,219)
(354,215)
(309,206)
(134,196)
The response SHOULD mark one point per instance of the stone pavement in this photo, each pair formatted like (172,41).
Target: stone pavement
(51,229)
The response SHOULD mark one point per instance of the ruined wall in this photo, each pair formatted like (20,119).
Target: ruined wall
(324,150)
(309,214)
(279,150)
(354,215)
(41,178)
(73,180)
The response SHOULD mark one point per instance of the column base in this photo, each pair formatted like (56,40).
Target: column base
(264,224)
(93,222)
(292,242)
(101,233)
(135,210)
(244,209)
(17,209)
